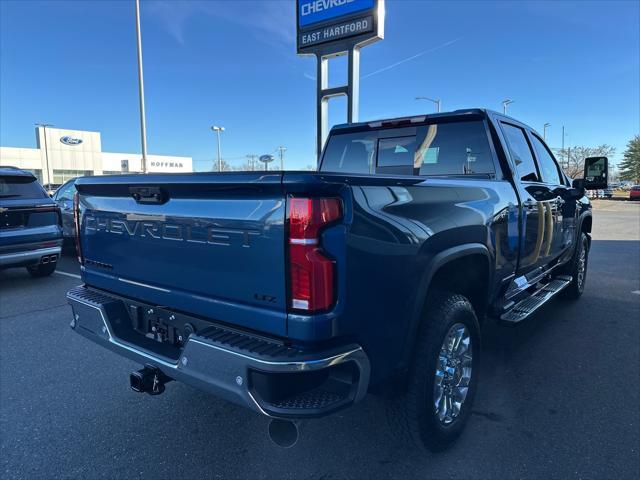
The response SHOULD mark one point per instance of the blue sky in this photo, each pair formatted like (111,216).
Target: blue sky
(233,63)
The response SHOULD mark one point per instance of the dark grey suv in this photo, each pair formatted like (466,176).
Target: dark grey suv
(30,227)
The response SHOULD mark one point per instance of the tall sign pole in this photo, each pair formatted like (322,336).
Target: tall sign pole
(143,122)
(332,29)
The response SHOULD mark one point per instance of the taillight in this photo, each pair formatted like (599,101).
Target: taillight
(76,221)
(311,272)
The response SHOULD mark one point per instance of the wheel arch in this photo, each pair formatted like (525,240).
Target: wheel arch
(464,269)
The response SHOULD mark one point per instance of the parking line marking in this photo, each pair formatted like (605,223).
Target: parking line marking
(637,292)
(73,275)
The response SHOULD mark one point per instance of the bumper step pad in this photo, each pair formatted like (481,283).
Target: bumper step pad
(314,399)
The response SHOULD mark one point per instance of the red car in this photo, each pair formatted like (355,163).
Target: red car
(634,193)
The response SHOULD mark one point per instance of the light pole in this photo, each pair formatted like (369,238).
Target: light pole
(564,152)
(282,149)
(143,122)
(46,150)
(436,101)
(218,130)
(504,105)
(544,131)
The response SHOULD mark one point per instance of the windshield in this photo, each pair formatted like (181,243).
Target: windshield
(452,148)
(19,186)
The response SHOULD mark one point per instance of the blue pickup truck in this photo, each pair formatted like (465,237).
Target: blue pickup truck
(296,293)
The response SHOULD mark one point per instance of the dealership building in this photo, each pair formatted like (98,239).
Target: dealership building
(63,154)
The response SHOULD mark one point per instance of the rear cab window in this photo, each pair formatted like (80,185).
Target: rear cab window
(350,153)
(20,186)
(442,148)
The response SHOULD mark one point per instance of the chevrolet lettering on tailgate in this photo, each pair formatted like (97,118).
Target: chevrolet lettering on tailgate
(138,226)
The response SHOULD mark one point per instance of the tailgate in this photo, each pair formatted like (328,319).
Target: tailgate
(212,245)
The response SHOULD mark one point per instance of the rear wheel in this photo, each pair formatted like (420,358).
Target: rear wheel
(443,377)
(42,269)
(578,269)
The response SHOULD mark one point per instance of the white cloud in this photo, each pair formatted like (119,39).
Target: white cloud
(412,57)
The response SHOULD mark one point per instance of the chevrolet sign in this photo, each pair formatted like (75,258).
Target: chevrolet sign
(332,26)
(314,11)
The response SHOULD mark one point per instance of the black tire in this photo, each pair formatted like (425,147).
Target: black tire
(578,269)
(42,270)
(415,413)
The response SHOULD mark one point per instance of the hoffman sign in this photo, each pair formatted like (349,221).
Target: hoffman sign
(338,24)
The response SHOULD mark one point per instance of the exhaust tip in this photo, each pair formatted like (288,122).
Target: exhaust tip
(283,433)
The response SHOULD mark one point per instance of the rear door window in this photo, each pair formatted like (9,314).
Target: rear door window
(548,166)
(20,186)
(521,153)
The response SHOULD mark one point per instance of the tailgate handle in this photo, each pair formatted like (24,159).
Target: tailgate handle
(148,195)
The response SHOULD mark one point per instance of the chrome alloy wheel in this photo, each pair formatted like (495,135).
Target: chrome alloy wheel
(453,373)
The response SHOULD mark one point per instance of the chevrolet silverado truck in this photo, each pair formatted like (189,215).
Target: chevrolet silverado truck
(296,293)
(30,224)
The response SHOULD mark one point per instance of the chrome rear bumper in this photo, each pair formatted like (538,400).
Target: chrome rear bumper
(270,378)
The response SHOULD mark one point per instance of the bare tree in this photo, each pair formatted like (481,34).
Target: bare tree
(571,159)
(226,167)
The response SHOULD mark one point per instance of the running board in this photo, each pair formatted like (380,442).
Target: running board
(526,307)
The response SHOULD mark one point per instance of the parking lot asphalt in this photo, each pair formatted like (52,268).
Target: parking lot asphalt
(559,396)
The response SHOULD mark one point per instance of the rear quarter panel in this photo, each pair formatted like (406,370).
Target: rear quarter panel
(393,229)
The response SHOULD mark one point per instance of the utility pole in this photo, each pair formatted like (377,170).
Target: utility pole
(46,150)
(505,103)
(217,130)
(437,101)
(143,122)
(282,149)
(544,131)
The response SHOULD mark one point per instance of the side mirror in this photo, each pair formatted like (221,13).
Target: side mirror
(596,172)
(577,188)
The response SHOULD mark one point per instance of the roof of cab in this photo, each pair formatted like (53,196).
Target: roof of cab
(15,171)
(414,119)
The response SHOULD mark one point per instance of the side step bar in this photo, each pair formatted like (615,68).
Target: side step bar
(526,307)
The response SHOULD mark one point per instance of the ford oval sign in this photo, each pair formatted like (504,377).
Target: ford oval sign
(67,140)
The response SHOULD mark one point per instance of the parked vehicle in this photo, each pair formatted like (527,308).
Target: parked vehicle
(30,228)
(608,193)
(51,188)
(634,193)
(296,293)
(64,199)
